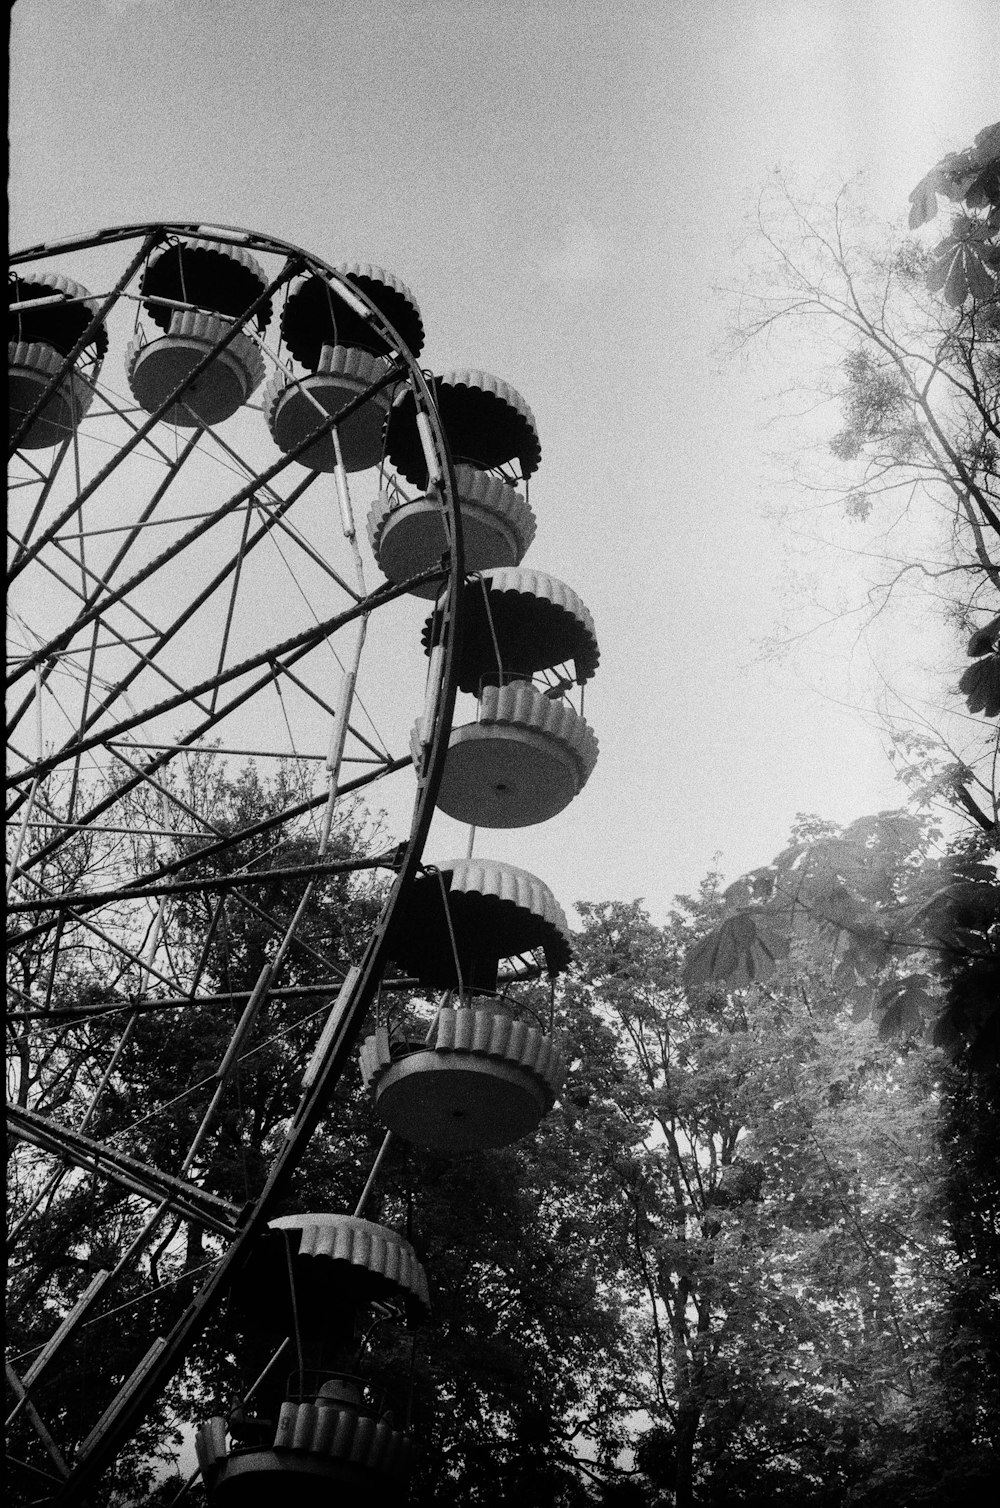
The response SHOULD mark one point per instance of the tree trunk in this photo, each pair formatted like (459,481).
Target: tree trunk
(688,1419)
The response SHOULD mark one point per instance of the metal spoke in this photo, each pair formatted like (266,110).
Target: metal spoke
(150,1183)
(227,339)
(127,873)
(294,648)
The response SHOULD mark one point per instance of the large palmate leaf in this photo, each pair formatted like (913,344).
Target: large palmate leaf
(972,178)
(901,1005)
(959,915)
(964,263)
(744,949)
(980,685)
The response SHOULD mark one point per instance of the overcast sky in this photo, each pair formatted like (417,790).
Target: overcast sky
(565,186)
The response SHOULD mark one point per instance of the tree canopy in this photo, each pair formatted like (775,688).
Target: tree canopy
(732,1264)
(751,1254)
(900,426)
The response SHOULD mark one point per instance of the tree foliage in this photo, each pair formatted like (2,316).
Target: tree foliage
(776,1186)
(726,1268)
(903,336)
(751,1256)
(910,936)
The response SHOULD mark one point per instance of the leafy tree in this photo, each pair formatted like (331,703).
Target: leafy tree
(911,934)
(770,1191)
(525,1357)
(908,934)
(912,328)
(905,345)
(715,1272)
(525,1354)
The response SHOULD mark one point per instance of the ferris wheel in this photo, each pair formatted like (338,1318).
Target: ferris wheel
(248,533)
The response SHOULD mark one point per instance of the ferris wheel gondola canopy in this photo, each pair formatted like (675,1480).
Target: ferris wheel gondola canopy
(315,315)
(518,622)
(211,276)
(337,1263)
(487,422)
(463,917)
(54,310)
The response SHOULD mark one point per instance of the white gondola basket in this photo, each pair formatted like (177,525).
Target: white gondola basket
(294,408)
(31,365)
(522,761)
(408,535)
(481,1080)
(321,1450)
(156,368)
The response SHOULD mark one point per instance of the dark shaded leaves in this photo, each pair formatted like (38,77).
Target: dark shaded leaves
(901,1005)
(741,951)
(986,638)
(971,177)
(980,684)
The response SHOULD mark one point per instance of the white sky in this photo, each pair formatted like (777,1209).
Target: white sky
(563,184)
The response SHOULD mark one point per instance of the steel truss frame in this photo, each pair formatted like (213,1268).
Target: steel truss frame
(214,697)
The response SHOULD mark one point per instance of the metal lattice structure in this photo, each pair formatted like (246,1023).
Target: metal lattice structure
(188,598)
(186,588)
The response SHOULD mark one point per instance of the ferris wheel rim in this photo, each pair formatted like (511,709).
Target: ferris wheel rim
(135,1397)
